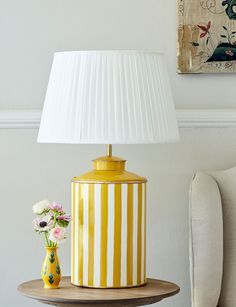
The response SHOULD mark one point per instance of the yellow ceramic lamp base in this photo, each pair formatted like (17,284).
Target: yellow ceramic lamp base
(108,226)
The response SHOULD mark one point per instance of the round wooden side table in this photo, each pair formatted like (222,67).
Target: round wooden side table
(70,296)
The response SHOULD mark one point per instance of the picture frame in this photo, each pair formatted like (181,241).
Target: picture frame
(206,36)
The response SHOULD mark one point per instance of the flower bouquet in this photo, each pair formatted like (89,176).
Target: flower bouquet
(52,223)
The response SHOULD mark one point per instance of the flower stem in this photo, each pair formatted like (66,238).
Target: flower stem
(46,239)
(55,219)
(52,244)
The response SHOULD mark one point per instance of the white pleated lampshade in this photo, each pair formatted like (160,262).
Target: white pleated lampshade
(108,97)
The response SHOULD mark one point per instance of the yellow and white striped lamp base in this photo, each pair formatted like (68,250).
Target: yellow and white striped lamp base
(108,230)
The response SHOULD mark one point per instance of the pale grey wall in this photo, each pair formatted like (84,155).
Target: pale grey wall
(30,32)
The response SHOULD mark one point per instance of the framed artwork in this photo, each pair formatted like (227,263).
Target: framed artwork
(207,36)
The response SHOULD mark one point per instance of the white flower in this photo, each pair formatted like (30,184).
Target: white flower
(43,224)
(57,235)
(41,206)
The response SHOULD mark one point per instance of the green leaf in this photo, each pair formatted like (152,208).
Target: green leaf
(224,27)
(58,270)
(52,258)
(224,36)
(50,278)
(62,223)
(195,44)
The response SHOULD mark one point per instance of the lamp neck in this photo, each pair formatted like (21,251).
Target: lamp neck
(109,162)
(109,150)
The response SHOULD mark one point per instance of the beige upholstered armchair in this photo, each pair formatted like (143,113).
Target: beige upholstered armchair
(213,239)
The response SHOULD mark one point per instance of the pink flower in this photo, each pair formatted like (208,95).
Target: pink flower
(205,29)
(56,207)
(66,218)
(57,235)
(229,52)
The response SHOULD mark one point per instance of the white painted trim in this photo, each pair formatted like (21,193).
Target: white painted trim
(187,118)
(19,119)
(206,118)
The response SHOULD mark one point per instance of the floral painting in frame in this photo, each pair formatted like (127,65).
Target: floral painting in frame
(207,36)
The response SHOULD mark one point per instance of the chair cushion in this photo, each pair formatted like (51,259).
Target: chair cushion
(206,241)
(226,181)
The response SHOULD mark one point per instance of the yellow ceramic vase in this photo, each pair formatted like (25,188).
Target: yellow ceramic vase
(51,272)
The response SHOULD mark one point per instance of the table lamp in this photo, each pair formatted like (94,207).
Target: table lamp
(108,97)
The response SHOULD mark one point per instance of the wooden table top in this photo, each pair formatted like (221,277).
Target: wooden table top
(70,295)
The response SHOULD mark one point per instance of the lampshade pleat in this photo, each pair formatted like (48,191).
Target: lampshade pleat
(101,97)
